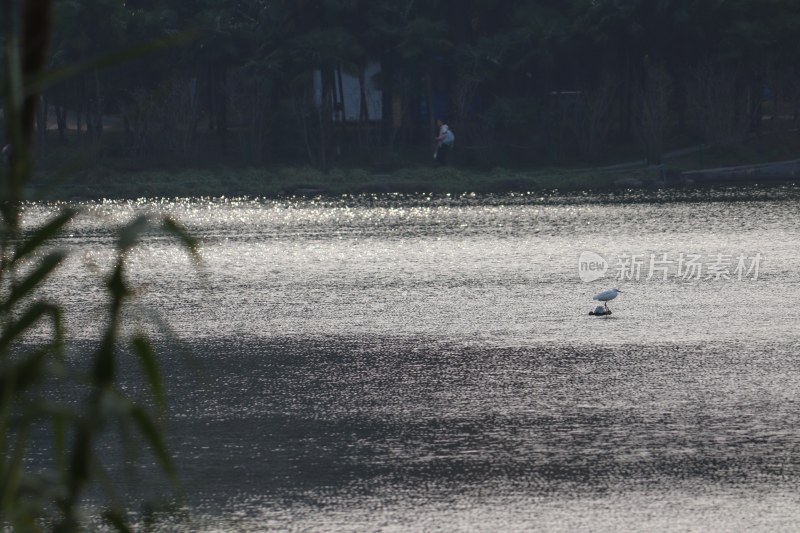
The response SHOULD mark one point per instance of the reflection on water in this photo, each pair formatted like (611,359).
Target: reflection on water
(424,363)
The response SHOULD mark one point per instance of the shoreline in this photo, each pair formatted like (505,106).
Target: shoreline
(281,182)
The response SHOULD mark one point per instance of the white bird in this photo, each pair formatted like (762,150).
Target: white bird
(607,296)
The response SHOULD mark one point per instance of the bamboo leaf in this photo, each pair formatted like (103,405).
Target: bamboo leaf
(147,357)
(154,437)
(31,369)
(25,373)
(116,284)
(60,443)
(19,168)
(43,234)
(130,234)
(104,368)
(81,457)
(14,473)
(171,226)
(117,520)
(16,328)
(46,267)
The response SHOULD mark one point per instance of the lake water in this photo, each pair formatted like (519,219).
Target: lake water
(414,363)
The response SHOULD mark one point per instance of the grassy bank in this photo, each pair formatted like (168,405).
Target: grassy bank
(306,181)
(109,181)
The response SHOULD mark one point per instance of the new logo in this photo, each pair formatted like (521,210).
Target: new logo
(591,266)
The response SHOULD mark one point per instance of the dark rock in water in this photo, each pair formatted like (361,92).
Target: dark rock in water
(600,311)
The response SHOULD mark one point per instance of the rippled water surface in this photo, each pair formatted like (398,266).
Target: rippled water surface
(428,363)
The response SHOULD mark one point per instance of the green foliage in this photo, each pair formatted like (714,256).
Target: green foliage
(243,92)
(51,497)
(29,500)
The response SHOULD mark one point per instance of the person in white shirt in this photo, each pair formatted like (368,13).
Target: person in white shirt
(444,142)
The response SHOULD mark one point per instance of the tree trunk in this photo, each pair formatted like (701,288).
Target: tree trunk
(387,101)
(211,99)
(222,107)
(300,107)
(80,106)
(61,112)
(41,124)
(363,112)
(339,100)
(190,135)
(429,103)
(325,115)
(98,106)
(339,110)
(626,99)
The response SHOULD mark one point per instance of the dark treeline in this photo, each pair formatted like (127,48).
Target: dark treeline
(361,82)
